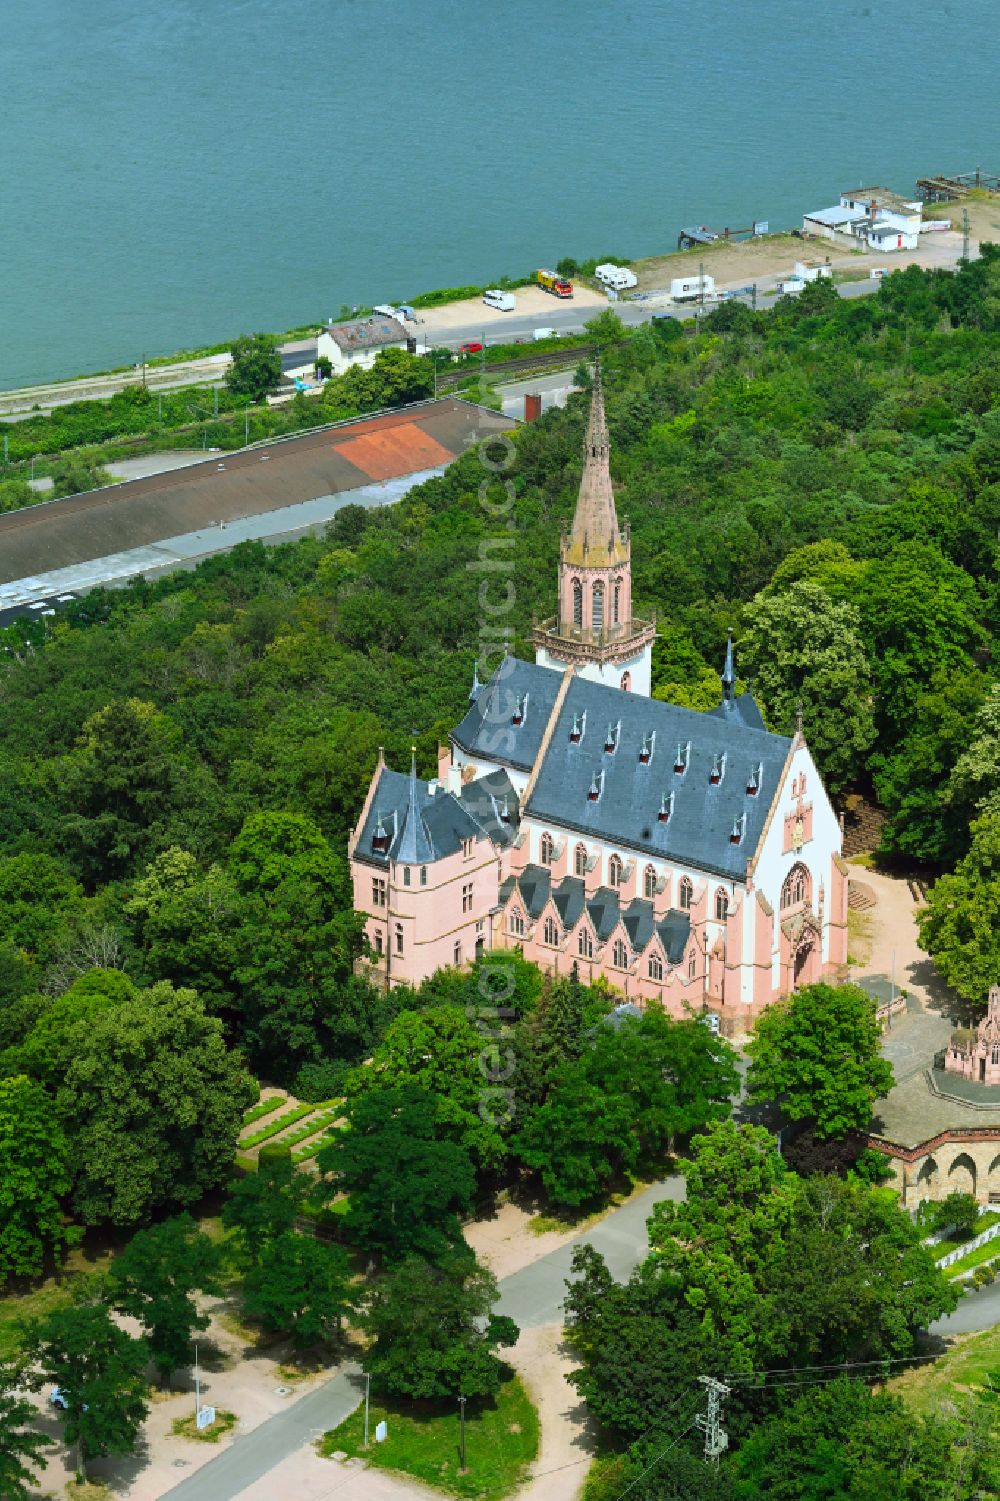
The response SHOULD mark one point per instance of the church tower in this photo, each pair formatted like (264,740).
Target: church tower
(594,629)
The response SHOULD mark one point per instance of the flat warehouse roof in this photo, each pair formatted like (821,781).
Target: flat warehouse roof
(228,487)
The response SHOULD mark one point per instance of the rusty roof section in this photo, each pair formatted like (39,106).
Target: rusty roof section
(229,486)
(367,333)
(595,541)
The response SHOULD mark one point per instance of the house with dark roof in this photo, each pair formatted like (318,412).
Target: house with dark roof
(359,340)
(691,859)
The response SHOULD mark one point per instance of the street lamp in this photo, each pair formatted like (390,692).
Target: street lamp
(461,1403)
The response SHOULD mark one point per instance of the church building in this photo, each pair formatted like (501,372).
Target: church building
(692,859)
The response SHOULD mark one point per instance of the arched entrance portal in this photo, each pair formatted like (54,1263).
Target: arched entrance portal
(805,969)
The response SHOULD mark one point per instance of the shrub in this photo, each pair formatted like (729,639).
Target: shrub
(317,1082)
(274,1151)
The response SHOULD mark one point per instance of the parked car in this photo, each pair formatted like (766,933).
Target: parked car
(57,1398)
(472,347)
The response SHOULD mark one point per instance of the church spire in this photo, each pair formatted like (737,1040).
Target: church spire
(595,540)
(728,674)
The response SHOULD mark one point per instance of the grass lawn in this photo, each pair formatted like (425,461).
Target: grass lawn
(986,1219)
(934,1388)
(188,1427)
(501,1439)
(989,1252)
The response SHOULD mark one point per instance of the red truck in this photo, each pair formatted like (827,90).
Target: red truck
(557,285)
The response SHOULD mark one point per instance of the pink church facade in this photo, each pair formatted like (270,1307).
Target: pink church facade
(690,859)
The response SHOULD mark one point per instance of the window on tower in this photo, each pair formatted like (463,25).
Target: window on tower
(597,607)
(616,602)
(577,602)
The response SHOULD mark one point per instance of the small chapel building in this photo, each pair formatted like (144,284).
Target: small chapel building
(692,859)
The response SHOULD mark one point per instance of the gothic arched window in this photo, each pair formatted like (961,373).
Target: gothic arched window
(721,905)
(619,955)
(577,602)
(686,893)
(616,605)
(551,932)
(626,684)
(515,924)
(655,967)
(548,849)
(692,964)
(586,944)
(597,607)
(580,860)
(795,891)
(615,871)
(649,883)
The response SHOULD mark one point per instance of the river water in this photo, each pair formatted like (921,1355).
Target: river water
(174,173)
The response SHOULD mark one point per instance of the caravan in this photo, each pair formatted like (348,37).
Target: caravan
(504,302)
(616,278)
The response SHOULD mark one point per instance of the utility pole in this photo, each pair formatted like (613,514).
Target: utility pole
(215,393)
(710,1423)
(6,449)
(753,296)
(246,440)
(461,1403)
(965,234)
(368,1387)
(197,1383)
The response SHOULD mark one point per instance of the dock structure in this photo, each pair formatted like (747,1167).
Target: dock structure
(700,234)
(947,189)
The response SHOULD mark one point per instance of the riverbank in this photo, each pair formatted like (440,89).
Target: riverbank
(763,261)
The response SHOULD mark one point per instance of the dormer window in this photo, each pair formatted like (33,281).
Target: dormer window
(666,808)
(520,705)
(718,769)
(579,725)
(738,830)
(380,839)
(682,756)
(611,738)
(596,787)
(504,812)
(754,777)
(646,749)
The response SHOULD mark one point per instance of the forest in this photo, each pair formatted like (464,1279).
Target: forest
(182,761)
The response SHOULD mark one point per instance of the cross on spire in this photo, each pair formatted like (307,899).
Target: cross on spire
(595,540)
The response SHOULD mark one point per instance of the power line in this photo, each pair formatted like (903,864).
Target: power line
(843,1365)
(655,1461)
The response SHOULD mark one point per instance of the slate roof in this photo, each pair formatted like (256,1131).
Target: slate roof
(423,826)
(487,729)
(745,708)
(604,909)
(700,828)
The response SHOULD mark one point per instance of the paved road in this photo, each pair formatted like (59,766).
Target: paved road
(978,1310)
(532,1296)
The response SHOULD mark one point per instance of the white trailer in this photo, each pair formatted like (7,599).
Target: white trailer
(692,288)
(617,278)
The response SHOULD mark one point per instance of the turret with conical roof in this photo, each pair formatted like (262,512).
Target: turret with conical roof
(594,628)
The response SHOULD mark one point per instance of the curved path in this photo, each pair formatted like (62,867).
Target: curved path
(532,1296)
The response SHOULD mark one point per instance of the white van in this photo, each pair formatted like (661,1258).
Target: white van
(545,333)
(692,288)
(504,302)
(618,278)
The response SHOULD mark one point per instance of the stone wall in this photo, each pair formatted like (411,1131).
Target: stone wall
(955,1161)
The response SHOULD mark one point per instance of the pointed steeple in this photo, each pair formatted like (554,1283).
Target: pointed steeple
(595,540)
(728,674)
(415,847)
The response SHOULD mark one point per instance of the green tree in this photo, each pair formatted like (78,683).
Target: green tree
(923,783)
(818,1053)
(403,1181)
(100,1371)
(801,647)
(920,616)
(256,366)
(843,1442)
(960,925)
(50,1046)
(38,899)
(957,1211)
(34,1179)
(974,785)
(433,1331)
(184,919)
(300,1287)
(21,1445)
(153,1103)
(578,1140)
(263,1205)
(295,940)
(439,1050)
(118,787)
(154,1279)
